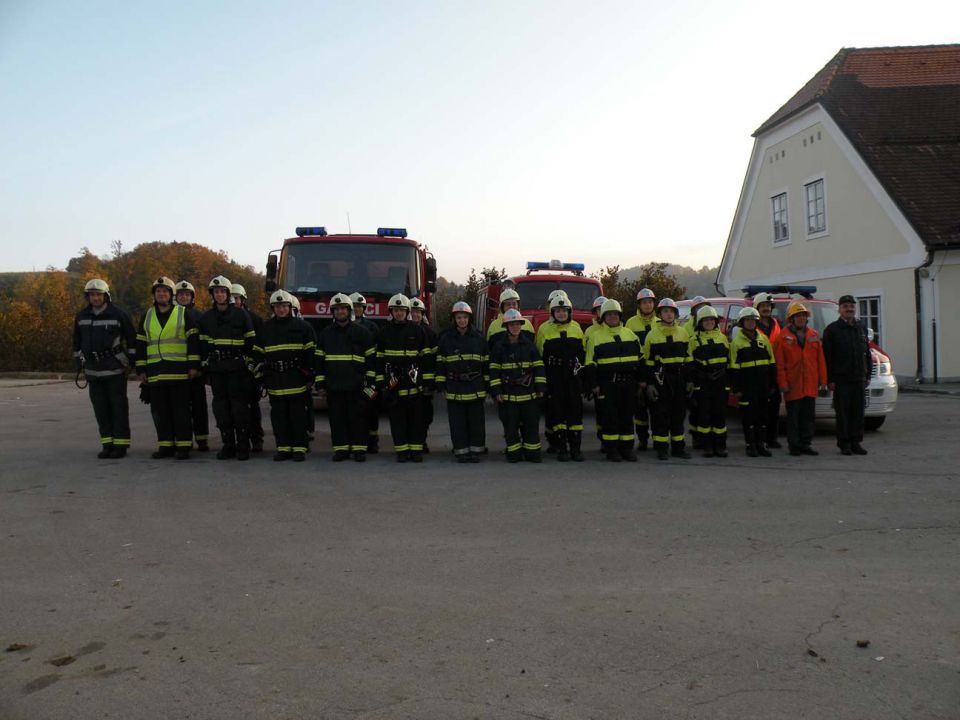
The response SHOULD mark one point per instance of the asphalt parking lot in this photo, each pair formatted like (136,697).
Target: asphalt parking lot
(734,588)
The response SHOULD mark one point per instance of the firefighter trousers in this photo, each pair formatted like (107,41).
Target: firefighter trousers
(521,428)
(288,415)
(668,412)
(468,430)
(198,409)
(109,398)
(617,414)
(406,423)
(641,421)
(709,415)
(231,402)
(348,420)
(563,409)
(772,416)
(170,408)
(753,414)
(801,421)
(373,422)
(256,414)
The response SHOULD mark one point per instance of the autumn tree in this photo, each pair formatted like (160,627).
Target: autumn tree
(652,275)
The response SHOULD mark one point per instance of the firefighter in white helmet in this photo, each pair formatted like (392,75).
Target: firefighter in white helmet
(667,383)
(509,300)
(238,293)
(709,355)
(187,297)
(462,377)
(375,404)
(418,315)
(560,343)
(104,350)
(641,323)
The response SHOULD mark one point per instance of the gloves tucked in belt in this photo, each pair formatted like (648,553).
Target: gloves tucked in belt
(652,393)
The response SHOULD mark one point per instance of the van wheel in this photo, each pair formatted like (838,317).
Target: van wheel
(873,423)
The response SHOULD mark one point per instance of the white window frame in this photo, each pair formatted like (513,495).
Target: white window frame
(773,222)
(806,217)
(878,296)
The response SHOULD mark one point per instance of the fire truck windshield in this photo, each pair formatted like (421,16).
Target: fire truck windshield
(534,293)
(323,268)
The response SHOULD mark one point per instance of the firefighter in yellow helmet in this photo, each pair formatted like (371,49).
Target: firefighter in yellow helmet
(667,385)
(405,370)
(285,352)
(709,355)
(560,343)
(104,350)
(168,357)
(752,371)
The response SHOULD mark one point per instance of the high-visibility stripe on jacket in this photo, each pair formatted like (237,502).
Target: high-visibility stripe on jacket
(709,352)
(462,364)
(612,355)
(752,363)
(404,357)
(106,340)
(667,348)
(286,347)
(641,325)
(516,370)
(561,347)
(167,345)
(346,357)
(226,339)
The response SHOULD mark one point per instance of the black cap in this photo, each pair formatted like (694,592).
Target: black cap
(846,299)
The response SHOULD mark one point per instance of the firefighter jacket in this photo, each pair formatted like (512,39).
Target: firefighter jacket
(369,325)
(346,358)
(462,364)
(562,350)
(405,360)
(516,370)
(641,325)
(226,339)
(104,343)
(285,349)
(168,345)
(612,357)
(771,329)
(752,364)
(666,351)
(847,352)
(497,332)
(800,363)
(709,356)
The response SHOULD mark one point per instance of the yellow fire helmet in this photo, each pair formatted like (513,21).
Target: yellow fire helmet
(796,308)
(706,312)
(610,306)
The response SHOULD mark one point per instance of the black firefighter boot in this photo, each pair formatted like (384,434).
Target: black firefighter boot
(626,451)
(720,445)
(229,448)
(749,436)
(575,453)
(243,445)
(611,450)
(105,451)
(563,454)
(678,450)
(709,443)
(761,436)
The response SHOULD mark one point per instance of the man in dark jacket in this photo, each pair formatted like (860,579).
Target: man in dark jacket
(462,377)
(346,371)
(375,403)
(238,295)
(226,350)
(104,349)
(186,297)
(849,368)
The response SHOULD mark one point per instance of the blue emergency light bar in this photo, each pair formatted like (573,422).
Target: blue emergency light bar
(302,231)
(392,232)
(555,265)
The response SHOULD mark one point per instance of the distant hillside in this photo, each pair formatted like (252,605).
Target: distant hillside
(697,282)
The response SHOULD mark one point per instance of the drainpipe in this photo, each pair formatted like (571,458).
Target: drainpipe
(918,377)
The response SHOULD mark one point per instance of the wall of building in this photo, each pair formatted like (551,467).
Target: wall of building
(945,276)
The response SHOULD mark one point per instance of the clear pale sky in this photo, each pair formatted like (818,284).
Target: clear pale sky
(496,132)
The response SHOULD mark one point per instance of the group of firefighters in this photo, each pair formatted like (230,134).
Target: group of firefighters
(645,375)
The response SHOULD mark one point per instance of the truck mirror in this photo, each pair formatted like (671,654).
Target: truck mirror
(431,286)
(271,283)
(431,265)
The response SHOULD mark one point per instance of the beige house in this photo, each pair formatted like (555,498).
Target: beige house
(854,186)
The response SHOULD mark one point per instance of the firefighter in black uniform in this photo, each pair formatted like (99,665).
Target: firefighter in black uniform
(709,354)
(405,367)
(104,348)
(238,293)
(168,357)
(285,354)
(612,372)
(186,296)
(462,376)
(644,319)
(418,315)
(769,326)
(517,382)
(752,369)
(376,402)
(226,349)
(560,343)
(346,371)
(665,355)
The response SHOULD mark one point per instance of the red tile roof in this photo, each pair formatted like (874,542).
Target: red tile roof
(900,107)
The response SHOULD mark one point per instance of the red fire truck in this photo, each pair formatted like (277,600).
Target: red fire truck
(314,266)
(535,286)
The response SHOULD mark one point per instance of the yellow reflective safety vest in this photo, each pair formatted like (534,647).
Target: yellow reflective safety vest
(167,350)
